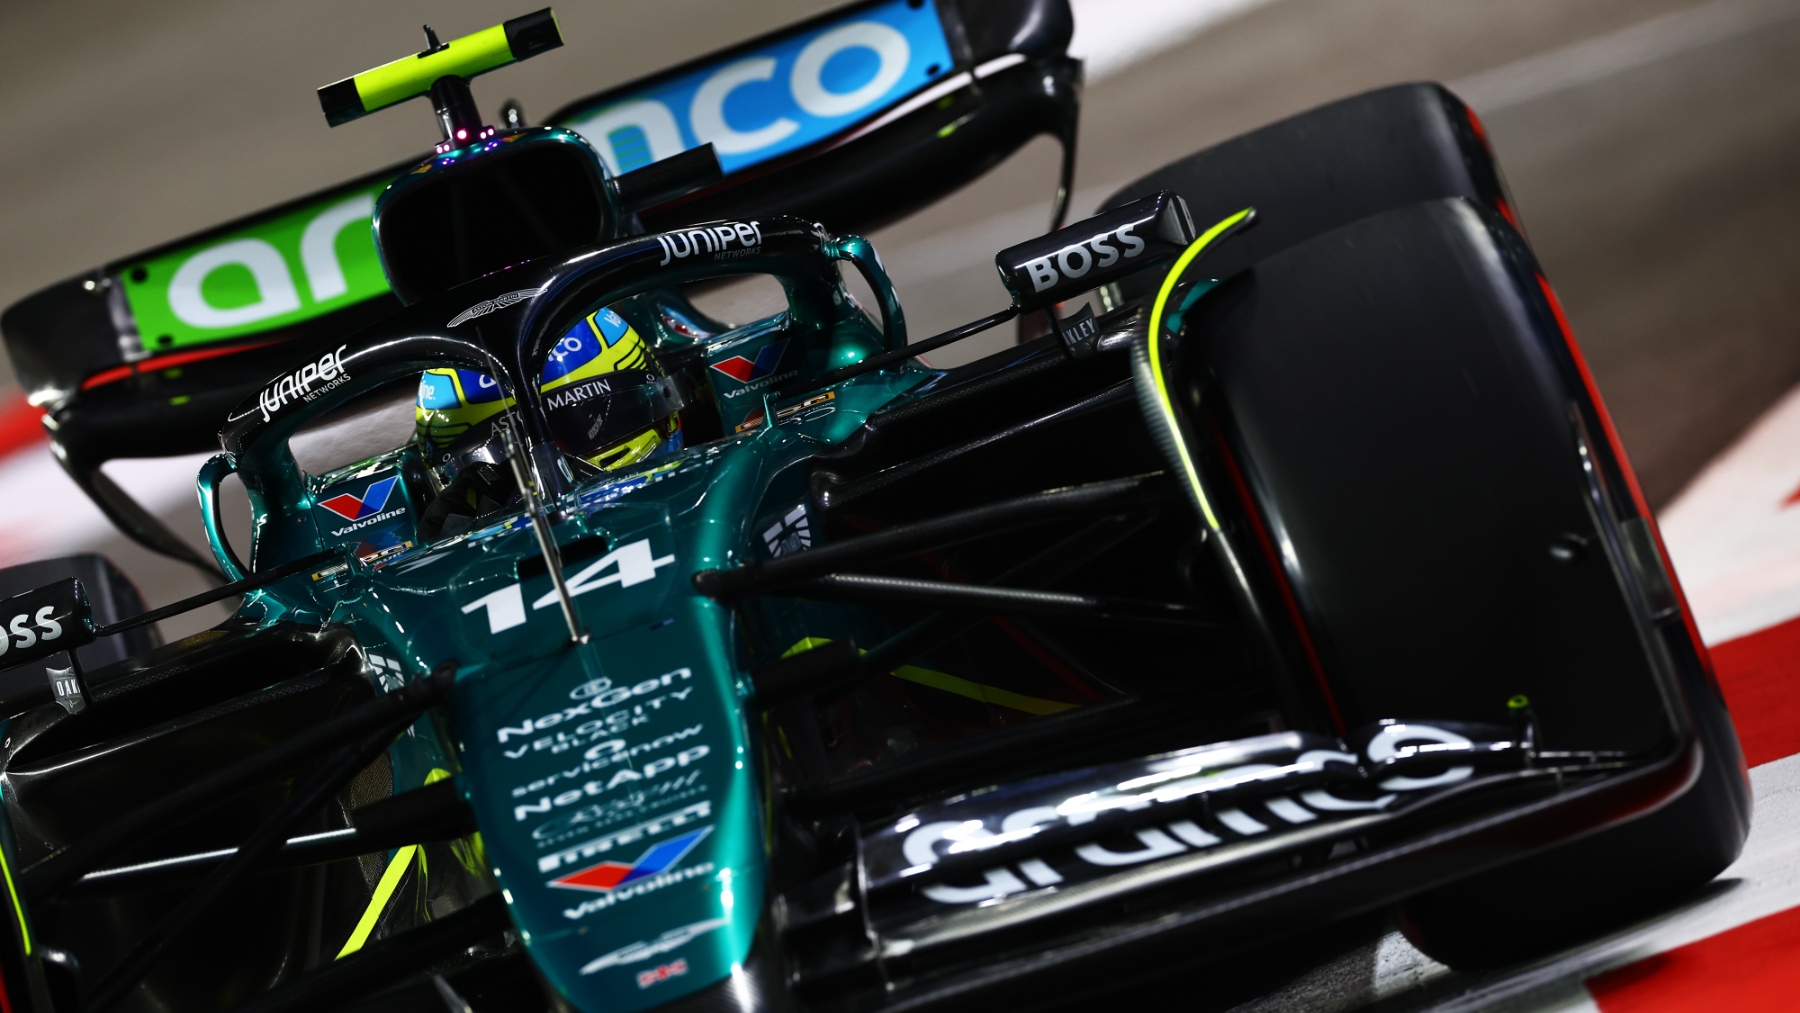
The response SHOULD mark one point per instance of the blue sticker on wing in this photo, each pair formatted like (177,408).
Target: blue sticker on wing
(777,99)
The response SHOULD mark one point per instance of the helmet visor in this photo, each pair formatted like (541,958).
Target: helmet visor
(591,416)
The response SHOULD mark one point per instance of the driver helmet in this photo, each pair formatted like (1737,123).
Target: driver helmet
(608,401)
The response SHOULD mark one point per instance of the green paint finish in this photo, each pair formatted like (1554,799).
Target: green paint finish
(271,274)
(616,784)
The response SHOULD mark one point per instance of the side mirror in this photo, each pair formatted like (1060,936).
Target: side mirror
(45,621)
(1094,252)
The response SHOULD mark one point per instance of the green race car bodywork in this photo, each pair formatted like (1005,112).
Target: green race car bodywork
(618,788)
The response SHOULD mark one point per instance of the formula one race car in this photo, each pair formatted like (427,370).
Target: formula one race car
(664,659)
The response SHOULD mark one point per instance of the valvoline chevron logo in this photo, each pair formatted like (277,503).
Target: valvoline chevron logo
(352,508)
(748,371)
(609,876)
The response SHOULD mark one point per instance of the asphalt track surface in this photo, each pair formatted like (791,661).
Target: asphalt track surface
(1653,149)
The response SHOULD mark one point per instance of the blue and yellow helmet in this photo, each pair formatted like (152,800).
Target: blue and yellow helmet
(607,399)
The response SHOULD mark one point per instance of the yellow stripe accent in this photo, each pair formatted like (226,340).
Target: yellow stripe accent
(408,76)
(978,691)
(384,890)
(18,908)
(953,684)
(1164,404)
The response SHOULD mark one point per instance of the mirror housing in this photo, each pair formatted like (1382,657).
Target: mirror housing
(1096,251)
(44,621)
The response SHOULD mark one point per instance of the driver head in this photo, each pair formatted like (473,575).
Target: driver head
(607,399)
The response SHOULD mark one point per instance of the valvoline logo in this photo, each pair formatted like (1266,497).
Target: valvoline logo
(778,97)
(745,370)
(608,876)
(351,507)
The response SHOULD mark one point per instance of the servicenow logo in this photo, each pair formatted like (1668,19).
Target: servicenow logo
(778,98)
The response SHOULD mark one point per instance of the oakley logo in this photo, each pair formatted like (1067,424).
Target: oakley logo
(355,508)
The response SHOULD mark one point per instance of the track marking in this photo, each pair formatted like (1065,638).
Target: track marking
(1111,35)
(1734,538)
(1615,52)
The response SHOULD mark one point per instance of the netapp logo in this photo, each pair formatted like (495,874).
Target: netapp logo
(1077,260)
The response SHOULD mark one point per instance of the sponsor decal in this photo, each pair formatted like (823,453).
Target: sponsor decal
(24,631)
(594,905)
(619,838)
(813,408)
(660,973)
(563,397)
(778,97)
(327,373)
(381,557)
(246,282)
(1076,260)
(635,803)
(605,877)
(590,688)
(923,844)
(1079,329)
(388,673)
(630,564)
(714,239)
(354,508)
(745,370)
(331,571)
(624,775)
(596,693)
(791,533)
(486,306)
(636,953)
(369,522)
(810,410)
(604,754)
(601,726)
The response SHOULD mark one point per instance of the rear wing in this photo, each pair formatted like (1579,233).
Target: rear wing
(855,118)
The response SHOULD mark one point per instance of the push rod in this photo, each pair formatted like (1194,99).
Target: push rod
(948,595)
(436,812)
(260,579)
(65,866)
(1113,496)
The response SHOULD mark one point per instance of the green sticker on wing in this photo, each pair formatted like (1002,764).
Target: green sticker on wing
(277,272)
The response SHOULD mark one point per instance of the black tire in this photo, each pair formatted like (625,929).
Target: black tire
(1330,166)
(1396,405)
(1588,887)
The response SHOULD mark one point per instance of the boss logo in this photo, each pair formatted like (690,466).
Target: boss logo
(1099,251)
(44,621)
(1103,250)
(24,631)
